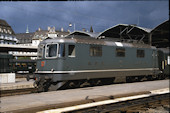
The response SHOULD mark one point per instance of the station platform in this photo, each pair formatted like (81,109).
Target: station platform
(20,83)
(31,102)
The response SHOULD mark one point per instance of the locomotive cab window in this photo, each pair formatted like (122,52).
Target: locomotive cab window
(71,51)
(120,52)
(51,50)
(140,53)
(95,50)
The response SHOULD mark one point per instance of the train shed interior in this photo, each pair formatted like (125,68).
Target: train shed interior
(83,34)
(126,32)
(160,35)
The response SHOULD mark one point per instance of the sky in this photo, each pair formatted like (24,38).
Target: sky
(100,15)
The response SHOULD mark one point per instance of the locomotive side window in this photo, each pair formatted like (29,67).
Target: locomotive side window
(95,50)
(61,50)
(51,50)
(120,52)
(71,51)
(140,53)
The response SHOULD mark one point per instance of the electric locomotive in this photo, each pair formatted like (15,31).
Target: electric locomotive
(76,60)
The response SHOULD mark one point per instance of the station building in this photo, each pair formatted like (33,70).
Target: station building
(7,35)
(34,38)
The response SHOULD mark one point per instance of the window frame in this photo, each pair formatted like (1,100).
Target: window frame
(46,51)
(139,55)
(71,56)
(99,53)
(118,51)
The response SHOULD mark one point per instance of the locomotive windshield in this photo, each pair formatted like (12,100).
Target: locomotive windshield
(51,50)
(55,50)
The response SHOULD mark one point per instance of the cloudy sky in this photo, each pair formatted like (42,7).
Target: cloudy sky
(98,14)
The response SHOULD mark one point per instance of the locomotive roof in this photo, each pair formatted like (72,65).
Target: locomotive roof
(88,40)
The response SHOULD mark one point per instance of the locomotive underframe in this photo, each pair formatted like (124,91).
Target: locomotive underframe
(54,81)
(76,75)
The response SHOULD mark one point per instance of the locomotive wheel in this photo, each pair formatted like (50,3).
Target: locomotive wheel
(131,79)
(107,81)
(140,78)
(149,77)
(74,84)
(161,76)
(57,86)
(128,79)
(94,82)
(40,85)
(46,85)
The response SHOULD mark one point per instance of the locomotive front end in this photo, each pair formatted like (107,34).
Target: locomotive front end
(50,59)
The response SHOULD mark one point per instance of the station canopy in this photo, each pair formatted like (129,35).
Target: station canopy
(160,35)
(83,34)
(126,32)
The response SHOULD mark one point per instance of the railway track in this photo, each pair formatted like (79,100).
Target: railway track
(129,104)
(101,99)
(4,93)
(14,92)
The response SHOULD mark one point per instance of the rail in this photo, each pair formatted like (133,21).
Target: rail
(4,93)
(123,103)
